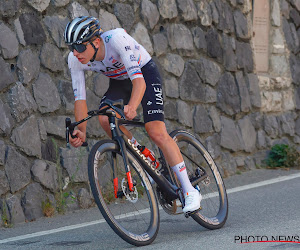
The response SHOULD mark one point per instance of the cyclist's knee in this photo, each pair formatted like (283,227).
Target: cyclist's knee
(104,123)
(159,137)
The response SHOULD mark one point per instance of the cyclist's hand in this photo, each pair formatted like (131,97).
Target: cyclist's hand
(129,112)
(78,141)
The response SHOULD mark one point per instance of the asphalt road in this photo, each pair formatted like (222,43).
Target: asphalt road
(263,206)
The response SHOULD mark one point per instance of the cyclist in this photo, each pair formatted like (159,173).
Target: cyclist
(134,77)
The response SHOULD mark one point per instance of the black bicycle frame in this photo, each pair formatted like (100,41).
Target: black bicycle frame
(169,189)
(172,191)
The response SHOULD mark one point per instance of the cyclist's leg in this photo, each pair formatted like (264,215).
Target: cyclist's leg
(153,110)
(118,89)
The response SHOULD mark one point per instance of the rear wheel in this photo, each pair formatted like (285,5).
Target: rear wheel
(214,205)
(133,215)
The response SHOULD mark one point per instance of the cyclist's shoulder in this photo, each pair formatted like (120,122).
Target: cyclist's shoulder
(113,36)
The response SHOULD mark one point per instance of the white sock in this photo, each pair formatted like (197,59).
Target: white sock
(134,141)
(181,173)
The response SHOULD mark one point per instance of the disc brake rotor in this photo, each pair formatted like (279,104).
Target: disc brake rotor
(131,196)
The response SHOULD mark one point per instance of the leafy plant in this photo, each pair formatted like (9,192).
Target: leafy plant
(282,155)
(48,209)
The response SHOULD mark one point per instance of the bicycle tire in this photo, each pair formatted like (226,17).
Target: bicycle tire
(120,212)
(214,205)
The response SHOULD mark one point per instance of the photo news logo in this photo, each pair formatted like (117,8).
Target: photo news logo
(245,239)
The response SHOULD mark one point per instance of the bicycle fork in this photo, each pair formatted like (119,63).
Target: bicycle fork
(116,136)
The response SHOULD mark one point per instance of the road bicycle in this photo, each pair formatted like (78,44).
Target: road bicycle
(119,176)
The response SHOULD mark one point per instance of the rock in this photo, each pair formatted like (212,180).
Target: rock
(199,38)
(209,71)
(84,198)
(101,83)
(33,31)
(32,200)
(171,87)
(230,59)
(188,9)
(75,161)
(249,163)
(180,37)
(228,99)
(271,126)
(6,77)
(55,125)
(125,15)
(108,21)
(214,48)
(275,14)
(46,94)
(16,214)
(93,126)
(231,137)
(56,26)
(149,13)
(215,117)
(160,43)
(27,137)
(174,64)
(254,91)
(295,68)
(4,185)
(46,174)
(42,129)
(170,110)
(204,13)
(291,36)
(60,3)
(51,57)
(185,114)
(243,91)
(7,121)
(17,169)
(8,8)
(8,42)
(21,102)
(190,84)
(167,8)
(242,25)
(67,96)
(213,145)
(244,55)
(202,121)
(248,134)
(39,5)
(140,34)
(228,164)
(29,65)
(226,21)
(2,153)
(77,10)
(287,124)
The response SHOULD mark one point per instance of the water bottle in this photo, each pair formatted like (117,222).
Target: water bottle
(149,155)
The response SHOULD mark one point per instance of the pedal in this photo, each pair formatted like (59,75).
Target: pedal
(188,214)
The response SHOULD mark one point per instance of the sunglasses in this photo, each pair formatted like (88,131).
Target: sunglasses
(78,47)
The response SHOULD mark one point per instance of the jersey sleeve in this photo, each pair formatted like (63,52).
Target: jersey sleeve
(124,46)
(78,79)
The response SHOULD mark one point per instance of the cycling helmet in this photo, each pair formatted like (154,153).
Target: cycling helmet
(82,29)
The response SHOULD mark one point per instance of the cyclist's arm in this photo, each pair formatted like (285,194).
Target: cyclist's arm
(80,107)
(80,110)
(138,91)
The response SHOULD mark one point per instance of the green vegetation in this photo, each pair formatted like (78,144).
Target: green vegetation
(48,209)
(4,216)
(283,156)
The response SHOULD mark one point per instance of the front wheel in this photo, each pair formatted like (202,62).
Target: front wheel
(214,205)
(133,215)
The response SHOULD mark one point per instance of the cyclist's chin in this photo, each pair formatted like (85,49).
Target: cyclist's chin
(83,60)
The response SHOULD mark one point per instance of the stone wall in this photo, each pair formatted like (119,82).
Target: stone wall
(204,51)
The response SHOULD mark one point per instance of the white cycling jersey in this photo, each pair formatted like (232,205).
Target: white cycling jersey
(124,58)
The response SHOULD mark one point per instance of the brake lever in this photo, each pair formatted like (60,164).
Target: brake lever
(69,131)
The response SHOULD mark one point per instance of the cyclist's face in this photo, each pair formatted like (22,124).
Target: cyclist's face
(85,56)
